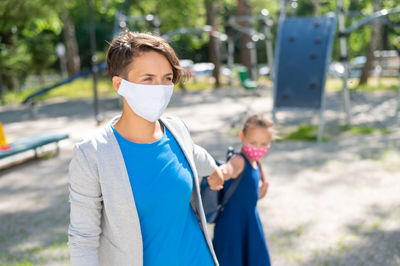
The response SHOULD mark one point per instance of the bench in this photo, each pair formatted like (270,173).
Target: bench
(32,142)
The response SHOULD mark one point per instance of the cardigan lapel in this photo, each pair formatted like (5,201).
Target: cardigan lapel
(187,150)
(113,166)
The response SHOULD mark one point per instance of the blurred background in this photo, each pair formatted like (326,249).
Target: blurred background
(326,71)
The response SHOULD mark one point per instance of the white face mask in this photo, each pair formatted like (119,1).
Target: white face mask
(147,101)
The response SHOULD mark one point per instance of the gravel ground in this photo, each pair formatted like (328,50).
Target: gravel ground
(333,203)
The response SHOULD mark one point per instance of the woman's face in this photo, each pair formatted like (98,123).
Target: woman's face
(150,68)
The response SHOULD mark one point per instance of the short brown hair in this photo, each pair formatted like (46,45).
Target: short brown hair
(258,120)
(129,45)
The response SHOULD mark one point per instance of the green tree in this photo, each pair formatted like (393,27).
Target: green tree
(19,19)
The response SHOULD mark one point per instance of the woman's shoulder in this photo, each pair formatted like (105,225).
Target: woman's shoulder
(102,137)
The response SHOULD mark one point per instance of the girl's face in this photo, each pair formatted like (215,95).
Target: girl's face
(257,137)
(150,68)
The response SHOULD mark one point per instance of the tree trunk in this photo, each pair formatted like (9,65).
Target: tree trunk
(316,7)
(243,9)
(213,48)
(385,38)
(373,45)
(13,83)
(71,46)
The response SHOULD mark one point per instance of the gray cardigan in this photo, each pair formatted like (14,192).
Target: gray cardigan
(104,227)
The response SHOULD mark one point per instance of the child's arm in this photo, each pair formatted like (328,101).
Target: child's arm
(264,181)
(233,167)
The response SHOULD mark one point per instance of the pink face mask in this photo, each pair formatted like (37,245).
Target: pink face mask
(255,153)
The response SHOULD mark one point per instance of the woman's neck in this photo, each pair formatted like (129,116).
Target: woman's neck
(137,129)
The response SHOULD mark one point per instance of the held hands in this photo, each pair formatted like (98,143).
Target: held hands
(216,179)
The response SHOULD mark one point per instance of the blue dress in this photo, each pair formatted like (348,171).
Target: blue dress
(238,234)
(162,184)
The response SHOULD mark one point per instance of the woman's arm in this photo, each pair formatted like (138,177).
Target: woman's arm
(86,205)
(206,166)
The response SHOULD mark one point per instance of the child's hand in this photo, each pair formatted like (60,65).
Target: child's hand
(263,189)
(225,171)
(264,182)
(216,179)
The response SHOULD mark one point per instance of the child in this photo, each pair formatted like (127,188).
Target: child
(238,235)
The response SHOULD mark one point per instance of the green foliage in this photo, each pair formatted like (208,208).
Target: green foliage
(24,49)
(14,58)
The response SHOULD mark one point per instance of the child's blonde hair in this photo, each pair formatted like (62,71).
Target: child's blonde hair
(258,120)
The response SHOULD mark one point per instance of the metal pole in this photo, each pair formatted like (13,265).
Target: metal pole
(282,16)
(268,46)
(397,46)
(253,58)
(321,120)
(323,100)
(231,51)
(156,24)
(282,10)
(344,60)
(398,98)
(94,62)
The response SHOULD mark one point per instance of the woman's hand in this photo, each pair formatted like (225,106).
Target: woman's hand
(216,179)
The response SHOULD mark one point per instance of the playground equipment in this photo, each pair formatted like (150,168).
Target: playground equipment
(206,29)
(85,73)
(303,53)
(27,143)
(376,17)
(122,23)
(246,82)
(32,142)
(234,24)
(302,56)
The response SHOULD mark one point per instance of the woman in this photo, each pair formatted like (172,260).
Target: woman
(134,188)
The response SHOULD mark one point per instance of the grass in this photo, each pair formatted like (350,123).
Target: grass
(83,88)
(309,132)
(303,132)
(362,130)
(80,88)
(373,84)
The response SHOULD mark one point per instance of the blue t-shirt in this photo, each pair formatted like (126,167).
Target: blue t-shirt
(162,184)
